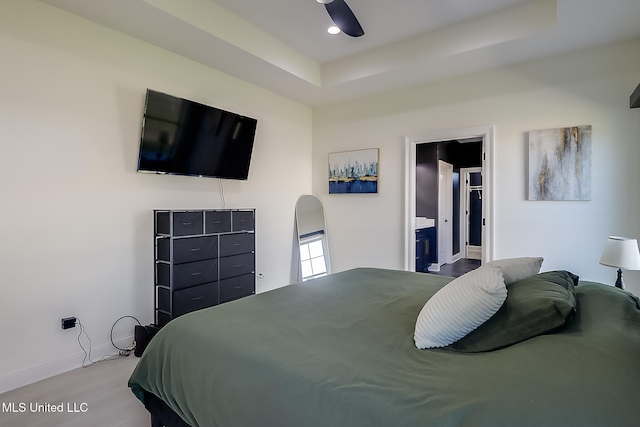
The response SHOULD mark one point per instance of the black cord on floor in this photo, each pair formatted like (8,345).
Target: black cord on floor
(122,352)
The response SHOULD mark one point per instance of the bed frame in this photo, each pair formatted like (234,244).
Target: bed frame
(161,414)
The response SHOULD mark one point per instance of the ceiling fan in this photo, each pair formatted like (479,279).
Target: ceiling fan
(343,17)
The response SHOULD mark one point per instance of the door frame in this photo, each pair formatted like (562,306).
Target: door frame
(445,213)
(411,141)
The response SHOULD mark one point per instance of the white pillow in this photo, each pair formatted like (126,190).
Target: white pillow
(516,269)
(460,307)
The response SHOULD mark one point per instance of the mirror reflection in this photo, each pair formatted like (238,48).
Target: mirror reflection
(312,238)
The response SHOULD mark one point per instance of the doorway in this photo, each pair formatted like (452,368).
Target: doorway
(471,216)
(485,135)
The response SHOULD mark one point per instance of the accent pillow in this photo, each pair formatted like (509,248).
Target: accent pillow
(537,305)
(459,307)
(514,269)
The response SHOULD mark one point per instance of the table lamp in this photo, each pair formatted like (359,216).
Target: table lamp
(621,253)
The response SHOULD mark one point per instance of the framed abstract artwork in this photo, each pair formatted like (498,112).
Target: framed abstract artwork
(560,164)
(354,171)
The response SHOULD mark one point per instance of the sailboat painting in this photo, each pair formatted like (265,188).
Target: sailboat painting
(560,164)
(354,171)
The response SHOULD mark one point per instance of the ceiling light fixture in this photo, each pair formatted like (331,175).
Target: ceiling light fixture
(333,30)
(342,15)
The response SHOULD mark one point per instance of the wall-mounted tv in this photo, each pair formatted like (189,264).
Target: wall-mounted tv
(183,137)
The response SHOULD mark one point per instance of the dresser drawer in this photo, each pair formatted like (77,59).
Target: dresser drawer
(189,274)
(236,265)
(185,223)
(217,221)
(237,287)
(188,249)
(163,299)
(194,298)
(234,244)
(243,220)
(162,319)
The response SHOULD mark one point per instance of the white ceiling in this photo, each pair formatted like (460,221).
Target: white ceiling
(283,46)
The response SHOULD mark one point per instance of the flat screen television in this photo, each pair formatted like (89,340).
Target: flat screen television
(183,137)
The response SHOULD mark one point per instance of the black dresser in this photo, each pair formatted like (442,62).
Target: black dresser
(202,258)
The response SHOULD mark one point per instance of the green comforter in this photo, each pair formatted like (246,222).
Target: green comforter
(339,351)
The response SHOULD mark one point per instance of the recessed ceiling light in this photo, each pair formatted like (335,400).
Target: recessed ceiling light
(333,30)
(324,1)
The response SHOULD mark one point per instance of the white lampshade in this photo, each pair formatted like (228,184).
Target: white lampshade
(621,252)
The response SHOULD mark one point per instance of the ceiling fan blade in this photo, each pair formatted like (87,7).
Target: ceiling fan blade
(344,18)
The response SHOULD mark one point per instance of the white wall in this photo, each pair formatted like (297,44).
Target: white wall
(76,223)
(585,88)
(76,220)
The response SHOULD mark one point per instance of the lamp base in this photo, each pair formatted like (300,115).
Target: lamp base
(619,281)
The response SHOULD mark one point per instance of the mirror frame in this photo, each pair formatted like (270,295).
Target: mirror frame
(308,234)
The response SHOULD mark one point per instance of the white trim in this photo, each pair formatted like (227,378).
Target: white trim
(445,213)
(474,252)
(411,141)
(410,203)
(67,363)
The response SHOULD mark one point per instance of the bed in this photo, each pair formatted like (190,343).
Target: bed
(340,351)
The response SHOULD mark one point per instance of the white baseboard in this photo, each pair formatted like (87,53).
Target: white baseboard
(64,364)
(474,252)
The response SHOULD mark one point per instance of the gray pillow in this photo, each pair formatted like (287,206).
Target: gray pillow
(459,307)
(537,305)
(515,269)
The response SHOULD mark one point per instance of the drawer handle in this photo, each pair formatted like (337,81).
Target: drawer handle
(237,244)
(187,223)
(197,298)
(217,222)
(196,273)
(238,287)
(237,265)
(194,249)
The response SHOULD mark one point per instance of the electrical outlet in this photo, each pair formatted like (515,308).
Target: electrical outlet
(68,322)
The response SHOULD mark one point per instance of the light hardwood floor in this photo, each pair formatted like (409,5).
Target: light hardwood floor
(98,393)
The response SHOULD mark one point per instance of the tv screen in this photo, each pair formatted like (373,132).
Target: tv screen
(183,137)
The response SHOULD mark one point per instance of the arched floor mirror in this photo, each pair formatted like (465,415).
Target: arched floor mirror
(312,238)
